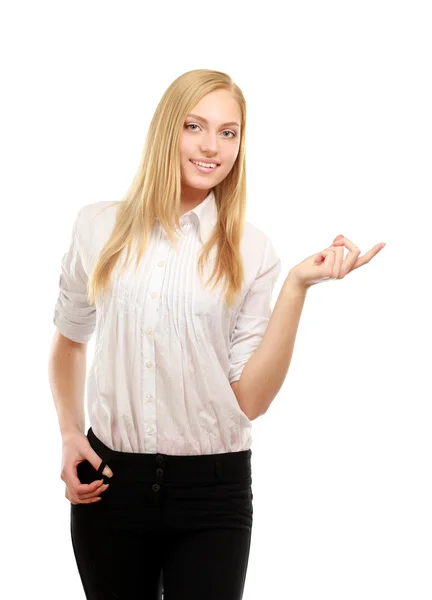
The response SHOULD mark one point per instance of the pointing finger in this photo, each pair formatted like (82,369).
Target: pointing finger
(361,260)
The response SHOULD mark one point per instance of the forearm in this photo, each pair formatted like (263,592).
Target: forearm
(265,371)
(67,375)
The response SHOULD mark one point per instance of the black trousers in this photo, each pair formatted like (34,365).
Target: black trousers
(168,527)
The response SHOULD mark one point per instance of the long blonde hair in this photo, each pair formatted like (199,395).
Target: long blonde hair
(155,192)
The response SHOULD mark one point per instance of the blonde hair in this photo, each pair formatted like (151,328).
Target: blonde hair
(155,192)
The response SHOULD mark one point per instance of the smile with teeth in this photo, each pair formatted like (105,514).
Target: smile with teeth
(206,165)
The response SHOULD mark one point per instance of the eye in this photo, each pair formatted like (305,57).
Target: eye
(195,125)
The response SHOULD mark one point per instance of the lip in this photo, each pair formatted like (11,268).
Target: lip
(205,160)
(206,170)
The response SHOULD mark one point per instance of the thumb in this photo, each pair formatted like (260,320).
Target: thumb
(96,460)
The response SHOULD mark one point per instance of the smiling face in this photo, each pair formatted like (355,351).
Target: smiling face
(211,133)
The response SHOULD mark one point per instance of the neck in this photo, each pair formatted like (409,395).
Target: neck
(191,197)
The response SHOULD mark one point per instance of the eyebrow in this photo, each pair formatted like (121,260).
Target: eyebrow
(205,120)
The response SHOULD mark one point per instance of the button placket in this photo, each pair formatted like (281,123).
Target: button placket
(150,318)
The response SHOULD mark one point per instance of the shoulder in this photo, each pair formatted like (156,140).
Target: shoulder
(101,212)
(254,233)
(260,257)
(96,218)
(94,224)
(258,245)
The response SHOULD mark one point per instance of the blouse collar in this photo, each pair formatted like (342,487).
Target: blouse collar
(207,213)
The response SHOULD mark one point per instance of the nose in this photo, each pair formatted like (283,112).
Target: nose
(209,143)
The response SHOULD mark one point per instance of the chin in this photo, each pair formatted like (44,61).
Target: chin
(198,185)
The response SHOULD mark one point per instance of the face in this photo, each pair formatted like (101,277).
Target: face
(212,134)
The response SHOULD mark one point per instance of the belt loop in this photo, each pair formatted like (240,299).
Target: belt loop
(104,452)
(102,467)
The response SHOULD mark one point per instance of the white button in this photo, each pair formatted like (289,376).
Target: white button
(149,397)
(149,330)
(149,364)
(154,295)
(161,263)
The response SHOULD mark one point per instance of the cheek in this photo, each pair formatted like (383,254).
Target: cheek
(231,156)
(184,147)
(226,166)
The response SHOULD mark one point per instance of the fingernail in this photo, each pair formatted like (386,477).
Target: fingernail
(338,237)
(107,471)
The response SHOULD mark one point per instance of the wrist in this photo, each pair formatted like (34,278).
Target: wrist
(70,430)
(294,282)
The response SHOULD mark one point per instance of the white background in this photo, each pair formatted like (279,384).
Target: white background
(339,142)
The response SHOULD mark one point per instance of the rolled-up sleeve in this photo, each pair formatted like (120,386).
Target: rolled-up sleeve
(254,315)
(73,315)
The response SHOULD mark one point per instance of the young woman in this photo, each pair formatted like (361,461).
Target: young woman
(161,486)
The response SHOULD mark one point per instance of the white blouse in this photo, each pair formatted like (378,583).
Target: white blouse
(166,349)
